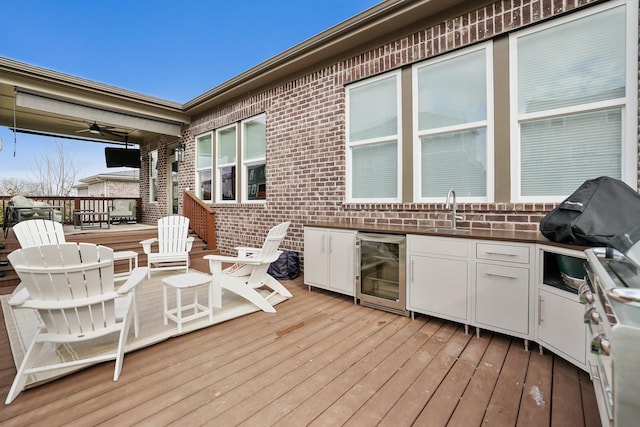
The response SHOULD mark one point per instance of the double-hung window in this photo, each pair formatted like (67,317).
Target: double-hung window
(254,159)
(153,176)
(452,112)
(373,140)
(204,157)
(226,149)
(574,102)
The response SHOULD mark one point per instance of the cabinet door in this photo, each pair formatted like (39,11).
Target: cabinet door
(342,247)
(316,257)
(502,297)
(561,326)
(438,286)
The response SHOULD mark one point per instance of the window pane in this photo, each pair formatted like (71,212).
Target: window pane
(256,183)
(228,183)
(574,63)
(375,171)
(453,92)
(204,179)
(455,160)
(373,110)
(227,146)
(153,176)
(559,154)
(203,150)
(254,139)
(153,163)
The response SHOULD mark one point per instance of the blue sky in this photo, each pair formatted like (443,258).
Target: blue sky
(175,50)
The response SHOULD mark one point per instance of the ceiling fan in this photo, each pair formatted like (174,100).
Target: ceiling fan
(96,129)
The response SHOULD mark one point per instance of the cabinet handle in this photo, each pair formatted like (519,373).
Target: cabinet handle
(411,279)
(540,301)
(499,253)
(358,260)
(501,275)
(324,245)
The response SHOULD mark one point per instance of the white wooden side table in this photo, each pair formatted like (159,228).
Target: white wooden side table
(187,281)
(132,257)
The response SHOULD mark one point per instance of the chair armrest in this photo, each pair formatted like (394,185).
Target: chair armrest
(190,240)
(232,259)
(20,296)
(244,251)
(136,277)
(146,244)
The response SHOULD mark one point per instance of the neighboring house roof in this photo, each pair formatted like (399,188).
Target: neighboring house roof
(121,176)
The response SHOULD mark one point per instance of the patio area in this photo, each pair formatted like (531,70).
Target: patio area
(320,360)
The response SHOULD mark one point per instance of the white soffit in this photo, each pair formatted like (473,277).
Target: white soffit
(85,112)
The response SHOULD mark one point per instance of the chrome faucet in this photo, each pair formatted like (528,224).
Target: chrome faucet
(454,207)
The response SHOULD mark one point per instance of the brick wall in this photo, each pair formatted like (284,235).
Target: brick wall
(306,142)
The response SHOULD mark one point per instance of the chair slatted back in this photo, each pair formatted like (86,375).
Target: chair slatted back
(269,251)
(35,232)
(71,285)
(172,234)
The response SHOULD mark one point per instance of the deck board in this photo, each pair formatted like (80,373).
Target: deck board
(504,404)
(475,399)
(320,360)
(447,397)
(567,403)
(535,408)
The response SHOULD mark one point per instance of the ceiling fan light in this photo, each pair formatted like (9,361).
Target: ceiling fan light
(94,128)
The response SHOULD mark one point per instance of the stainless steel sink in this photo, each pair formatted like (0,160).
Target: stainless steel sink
(448,230)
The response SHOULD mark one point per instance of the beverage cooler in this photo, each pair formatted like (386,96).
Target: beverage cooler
(380,281)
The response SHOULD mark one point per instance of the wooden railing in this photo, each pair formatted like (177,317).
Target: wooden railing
(202,218)
(67,205)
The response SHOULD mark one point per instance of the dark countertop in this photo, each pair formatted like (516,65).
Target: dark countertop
(474,233)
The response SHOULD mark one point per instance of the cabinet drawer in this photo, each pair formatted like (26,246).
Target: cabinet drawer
(507,253)
(443,246)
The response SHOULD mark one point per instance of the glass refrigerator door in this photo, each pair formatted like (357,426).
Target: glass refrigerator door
(380,269)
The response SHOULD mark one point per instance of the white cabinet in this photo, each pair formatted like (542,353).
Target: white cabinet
(330,259)
(502,289)
(438,277)
(559,314)
(560,325)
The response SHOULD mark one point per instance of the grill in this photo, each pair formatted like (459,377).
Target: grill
(612,297)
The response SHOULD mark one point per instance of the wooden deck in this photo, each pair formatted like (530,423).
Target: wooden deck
(320,360)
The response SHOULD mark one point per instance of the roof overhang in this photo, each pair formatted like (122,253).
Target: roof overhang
(46,102)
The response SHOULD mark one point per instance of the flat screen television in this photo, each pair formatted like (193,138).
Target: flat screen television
(122,157)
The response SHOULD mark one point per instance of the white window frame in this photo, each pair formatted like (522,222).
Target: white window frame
(219,166)
(487,124)
(255,161)
(629,104)
(398,138)
(153,176)
(205,168)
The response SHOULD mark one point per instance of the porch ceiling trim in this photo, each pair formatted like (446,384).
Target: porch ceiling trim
(34,101)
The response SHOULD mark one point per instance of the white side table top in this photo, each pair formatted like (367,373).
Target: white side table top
(124,255)
(187,280)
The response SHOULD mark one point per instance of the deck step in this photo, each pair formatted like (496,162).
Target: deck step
(119,240)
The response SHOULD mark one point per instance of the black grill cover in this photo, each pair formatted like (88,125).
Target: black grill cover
(598,210)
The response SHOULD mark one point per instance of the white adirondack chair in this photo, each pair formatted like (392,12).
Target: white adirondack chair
(249,271)
(71,286)
(174,245)
(36,232)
